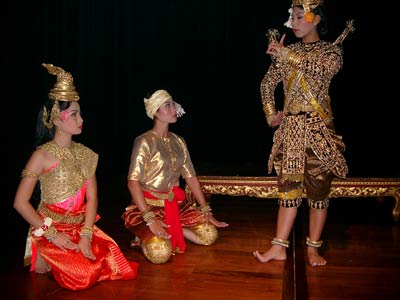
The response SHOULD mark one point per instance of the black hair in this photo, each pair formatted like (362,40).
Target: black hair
(322,26)
(44,134)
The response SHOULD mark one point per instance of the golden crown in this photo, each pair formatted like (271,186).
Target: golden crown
(308,5)
(311,3)
(64,88)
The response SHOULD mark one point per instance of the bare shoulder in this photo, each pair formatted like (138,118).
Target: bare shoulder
(40,160)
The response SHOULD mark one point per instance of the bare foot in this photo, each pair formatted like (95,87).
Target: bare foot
(274,253)
(314,258)
(136,242)
(41,267)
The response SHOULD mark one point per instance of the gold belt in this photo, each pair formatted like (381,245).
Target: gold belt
(60,217)
(154,202)
(160,198)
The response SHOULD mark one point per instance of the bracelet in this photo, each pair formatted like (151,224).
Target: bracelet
(205,209)
(148,216)
(87,228)
(148,208)
(46,224)
(149,222)
(87,233)
(50,233)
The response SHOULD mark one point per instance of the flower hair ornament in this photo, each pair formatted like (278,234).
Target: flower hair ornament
(63,90)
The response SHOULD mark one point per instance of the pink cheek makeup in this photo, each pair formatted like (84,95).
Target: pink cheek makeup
(64,115)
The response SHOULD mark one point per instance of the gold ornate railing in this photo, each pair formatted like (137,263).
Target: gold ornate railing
(266,187)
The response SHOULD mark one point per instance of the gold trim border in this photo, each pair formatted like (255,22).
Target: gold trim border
(266,187)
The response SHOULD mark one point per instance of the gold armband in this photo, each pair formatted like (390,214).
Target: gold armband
(269,109)
(26,173)
(291,57)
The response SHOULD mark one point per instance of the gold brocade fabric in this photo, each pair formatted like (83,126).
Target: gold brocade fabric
(320,61)
(301,126)
(293,163)
(64,201)
(77,164)
(295,135)
(157,163)
(188,213)
(73,271)
(59,215)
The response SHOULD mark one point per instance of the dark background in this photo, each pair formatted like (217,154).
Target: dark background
(210,55)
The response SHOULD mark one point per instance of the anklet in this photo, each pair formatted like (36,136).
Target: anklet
(315,244)
(280,242)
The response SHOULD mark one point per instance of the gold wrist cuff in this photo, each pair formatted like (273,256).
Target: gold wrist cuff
(269,109)
(148,216)
(205,209)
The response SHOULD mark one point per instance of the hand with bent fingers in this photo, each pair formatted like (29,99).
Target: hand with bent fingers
(157,227)
(275,48)
(85,246)
(210,218)
(63,241)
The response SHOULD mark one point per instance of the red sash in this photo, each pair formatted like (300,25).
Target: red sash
(172,217)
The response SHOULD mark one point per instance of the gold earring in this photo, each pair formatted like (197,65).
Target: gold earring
(59,131)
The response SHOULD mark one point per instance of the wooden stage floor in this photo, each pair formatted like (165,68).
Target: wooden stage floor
(361,244)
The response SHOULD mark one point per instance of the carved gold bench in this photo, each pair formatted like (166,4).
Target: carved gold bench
(266,187)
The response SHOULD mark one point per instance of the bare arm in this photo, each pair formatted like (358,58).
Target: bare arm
(38,162)
(92,200)
(156,226)
(136,192)
(25,190)
(195,187)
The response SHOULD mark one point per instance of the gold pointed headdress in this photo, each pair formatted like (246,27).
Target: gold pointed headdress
(63,90)
(308,5)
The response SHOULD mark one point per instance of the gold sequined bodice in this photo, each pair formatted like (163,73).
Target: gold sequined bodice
(77,165)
